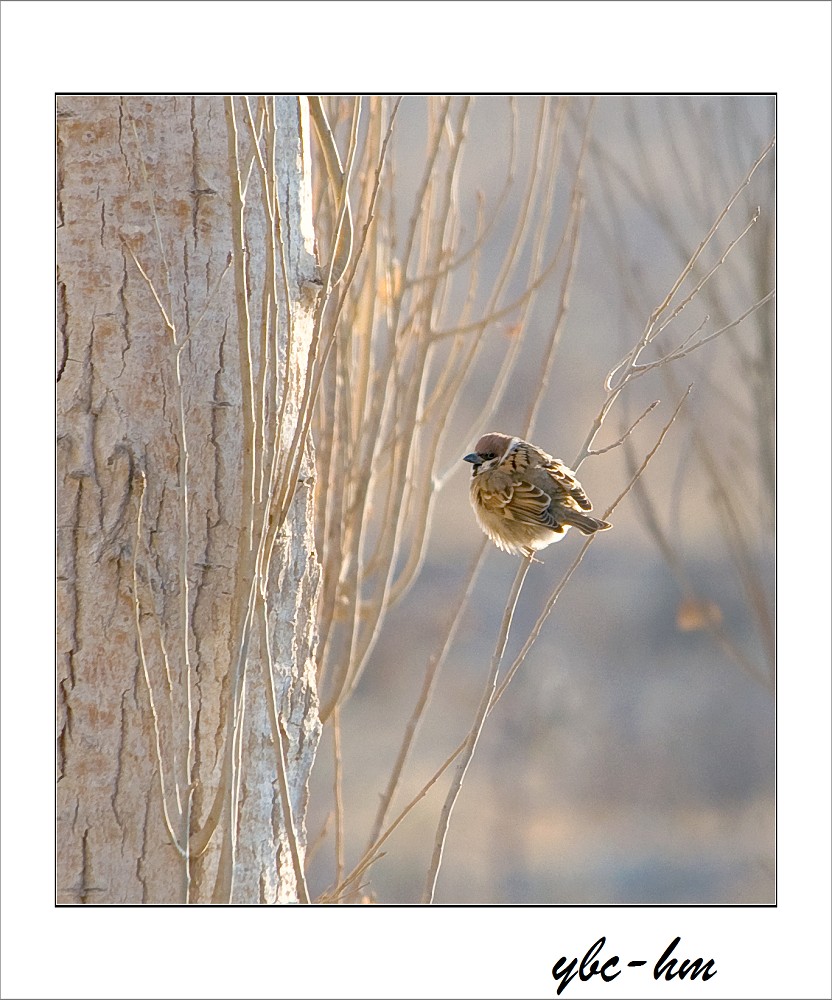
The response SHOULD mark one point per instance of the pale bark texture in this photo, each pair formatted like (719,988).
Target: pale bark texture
(187,573)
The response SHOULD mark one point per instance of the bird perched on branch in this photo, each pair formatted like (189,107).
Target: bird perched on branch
(523,498)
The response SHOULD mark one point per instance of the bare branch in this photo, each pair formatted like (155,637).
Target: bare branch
(474,734)
(627,433)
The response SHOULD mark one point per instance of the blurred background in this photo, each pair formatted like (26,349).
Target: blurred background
(524,244)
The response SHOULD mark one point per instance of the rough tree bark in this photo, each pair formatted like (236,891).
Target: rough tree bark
(187,576)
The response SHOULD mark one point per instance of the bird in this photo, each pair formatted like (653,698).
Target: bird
(523,498)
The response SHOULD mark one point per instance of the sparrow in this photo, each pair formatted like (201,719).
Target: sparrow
(523,498)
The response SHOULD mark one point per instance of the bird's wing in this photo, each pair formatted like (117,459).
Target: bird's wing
(526,459)
(521,502)
(567,484)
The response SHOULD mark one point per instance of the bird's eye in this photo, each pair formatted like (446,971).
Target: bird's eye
(488,457)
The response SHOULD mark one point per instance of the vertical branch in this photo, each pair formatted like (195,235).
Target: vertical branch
(185,598)
(227,798)
(182,850)
(337,780)
(184,583)
(280,756)
(243,331)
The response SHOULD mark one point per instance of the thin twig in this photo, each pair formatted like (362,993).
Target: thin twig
(337,780)
(184,555)
(474,734)
(280,754)
(429,682)
(146,673)
(626,434)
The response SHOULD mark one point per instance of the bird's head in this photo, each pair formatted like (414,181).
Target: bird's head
(490,451)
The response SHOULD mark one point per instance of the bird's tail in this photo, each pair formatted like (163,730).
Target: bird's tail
(585,523)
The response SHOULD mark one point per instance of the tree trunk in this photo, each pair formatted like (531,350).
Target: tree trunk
(187,575)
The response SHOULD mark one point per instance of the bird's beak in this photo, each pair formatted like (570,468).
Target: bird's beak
(473,458)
